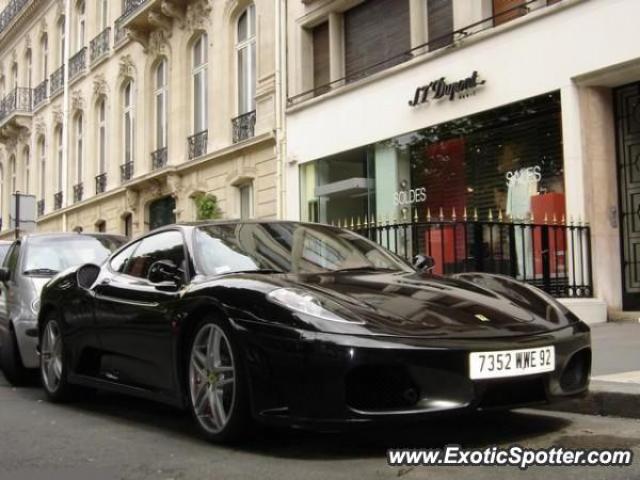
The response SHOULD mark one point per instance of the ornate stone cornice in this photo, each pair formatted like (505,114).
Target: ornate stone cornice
(100,86)
(77,100)
(197,15)
(127,67)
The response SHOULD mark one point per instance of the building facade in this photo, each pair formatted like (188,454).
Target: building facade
(116,116)
(494,134)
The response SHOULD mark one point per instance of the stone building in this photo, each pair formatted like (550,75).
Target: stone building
(115,115)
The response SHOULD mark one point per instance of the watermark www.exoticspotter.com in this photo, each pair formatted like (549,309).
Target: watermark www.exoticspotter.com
(514,455)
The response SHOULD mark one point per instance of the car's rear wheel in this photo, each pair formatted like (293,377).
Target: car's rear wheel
(12,366)
(218,397)
(53,369)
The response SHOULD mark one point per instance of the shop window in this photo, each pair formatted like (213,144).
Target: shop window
(440,23)
(506,161)
(376,34)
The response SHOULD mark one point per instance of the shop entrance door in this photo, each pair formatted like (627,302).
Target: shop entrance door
(162,212)
(627,112)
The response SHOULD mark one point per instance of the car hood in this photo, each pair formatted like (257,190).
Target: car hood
(38,284)
(409,304)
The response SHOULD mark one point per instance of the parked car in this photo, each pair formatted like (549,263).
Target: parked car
(4,248)
(305,325)
(29,264)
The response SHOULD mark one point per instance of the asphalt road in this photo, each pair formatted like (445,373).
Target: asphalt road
(113,437)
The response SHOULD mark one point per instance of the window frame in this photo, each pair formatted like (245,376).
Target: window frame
(128,115)
(160,94)
(248,43)
(199,75)
(102,136)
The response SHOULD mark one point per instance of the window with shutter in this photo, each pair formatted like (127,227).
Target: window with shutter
(376,34)
(321,72)
(440,22)
(508,9)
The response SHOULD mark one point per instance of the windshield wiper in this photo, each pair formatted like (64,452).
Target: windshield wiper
(259,270)
(40,271)
(365,269)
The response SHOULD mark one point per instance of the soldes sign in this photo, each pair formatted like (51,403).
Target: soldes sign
(440,88)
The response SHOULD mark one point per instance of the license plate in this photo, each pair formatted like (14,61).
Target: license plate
(511,363)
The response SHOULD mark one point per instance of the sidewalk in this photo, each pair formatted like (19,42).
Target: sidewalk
(615,375)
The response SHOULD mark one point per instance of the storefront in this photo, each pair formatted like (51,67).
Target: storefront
(503,162)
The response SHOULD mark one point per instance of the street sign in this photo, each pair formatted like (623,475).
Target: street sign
(22,213)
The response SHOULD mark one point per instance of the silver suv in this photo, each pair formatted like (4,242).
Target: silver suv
(29,264)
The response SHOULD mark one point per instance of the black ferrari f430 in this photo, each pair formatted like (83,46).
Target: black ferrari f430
(305,325)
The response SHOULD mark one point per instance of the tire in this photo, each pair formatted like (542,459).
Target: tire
(53,368)
(217,391)
(12,366)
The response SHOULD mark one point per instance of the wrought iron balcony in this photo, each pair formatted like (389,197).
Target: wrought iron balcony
(120,34)
(131,6)
(244,126)
(197,144)
(57,81)
(17,102)
(78,63)
(159,158)
(78,191)
(99,46)
(57,201)
(126,171)
(101,183)
(40,207)
(40,93)
(10,13)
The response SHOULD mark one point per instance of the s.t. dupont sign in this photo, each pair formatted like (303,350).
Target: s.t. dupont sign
(440,88)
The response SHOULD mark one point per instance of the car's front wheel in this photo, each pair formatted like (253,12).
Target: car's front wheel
(218,396)
(53,370)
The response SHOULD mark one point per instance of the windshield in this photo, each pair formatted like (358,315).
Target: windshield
(49,255)
(289,248)
(4,248)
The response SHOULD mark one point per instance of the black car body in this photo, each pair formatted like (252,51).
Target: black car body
(322,340)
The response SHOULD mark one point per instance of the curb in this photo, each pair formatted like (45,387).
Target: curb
(608,399)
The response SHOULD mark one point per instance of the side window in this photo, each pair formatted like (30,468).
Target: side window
(11,262)
(119,261)
(163,246)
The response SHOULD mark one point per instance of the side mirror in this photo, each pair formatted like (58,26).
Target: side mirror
(86,275)
(423,263)
(164,275)
(5,274)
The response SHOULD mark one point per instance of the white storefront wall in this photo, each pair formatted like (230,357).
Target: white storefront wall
(542,52)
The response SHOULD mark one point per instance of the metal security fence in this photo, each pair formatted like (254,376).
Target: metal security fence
(554,256)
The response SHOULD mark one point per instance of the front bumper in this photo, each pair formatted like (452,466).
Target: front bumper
(316,379)
(27,337)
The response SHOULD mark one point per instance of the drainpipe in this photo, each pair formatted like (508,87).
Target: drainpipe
(281,105)
(66,111)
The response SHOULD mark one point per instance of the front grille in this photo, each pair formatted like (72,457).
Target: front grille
(380,388)
(512,392)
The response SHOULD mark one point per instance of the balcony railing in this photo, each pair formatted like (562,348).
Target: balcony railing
(57,201)
(17,101)
(554,257)
(78,63)
(197,144)
(244,126)
(40,207)
(131,6)
(10,12)
(159,158)
(99,46)
(101,183)
(40,93)
(57,81)
(120,34)
(78,191)
(522,8)
(126,171)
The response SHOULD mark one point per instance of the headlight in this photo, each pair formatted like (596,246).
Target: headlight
(35,306)
(301,301)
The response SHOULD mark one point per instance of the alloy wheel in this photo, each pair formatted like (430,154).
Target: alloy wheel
(212,378)
(51,366)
